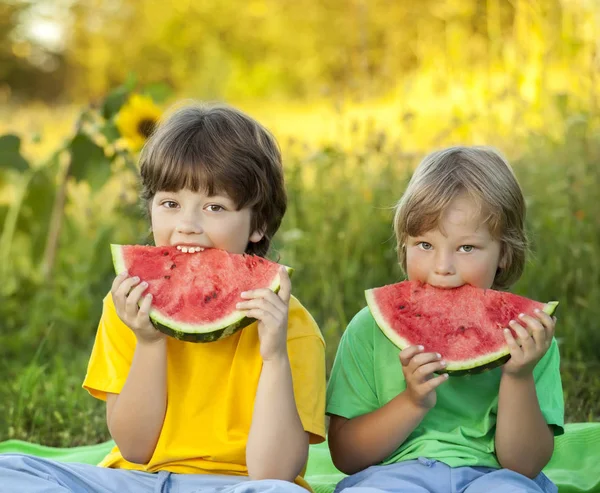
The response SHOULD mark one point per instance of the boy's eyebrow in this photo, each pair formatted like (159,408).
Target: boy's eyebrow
(477,236)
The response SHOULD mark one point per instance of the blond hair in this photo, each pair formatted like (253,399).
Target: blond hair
(486,177)
(217,148)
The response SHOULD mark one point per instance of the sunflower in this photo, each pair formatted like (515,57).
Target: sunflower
(137,119)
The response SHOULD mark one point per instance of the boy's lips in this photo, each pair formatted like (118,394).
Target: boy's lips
(442,286)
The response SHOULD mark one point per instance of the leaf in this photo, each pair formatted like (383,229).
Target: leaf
(118,97)
(159,92)
(38,203)
(110,131)
(10,155)
(88,162)
(114,101)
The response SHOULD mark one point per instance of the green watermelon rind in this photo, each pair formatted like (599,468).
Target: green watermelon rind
(472,366)
(216,330)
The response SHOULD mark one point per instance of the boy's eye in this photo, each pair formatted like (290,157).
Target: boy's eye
(170,204)
(215,208)
(425,246)
(467,248)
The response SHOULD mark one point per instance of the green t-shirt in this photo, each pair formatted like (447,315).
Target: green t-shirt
(459,430)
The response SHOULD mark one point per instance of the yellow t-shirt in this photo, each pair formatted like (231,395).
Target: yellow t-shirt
(211,391)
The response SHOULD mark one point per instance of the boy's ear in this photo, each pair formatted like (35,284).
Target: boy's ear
(256,236)
(503,264)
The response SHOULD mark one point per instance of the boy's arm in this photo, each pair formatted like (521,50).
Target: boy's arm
(358,443)
(524,441)
(135,416)
(277,445)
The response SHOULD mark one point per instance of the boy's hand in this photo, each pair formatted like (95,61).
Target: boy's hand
(531,343)
(418,368)
(126,293)
(271,311)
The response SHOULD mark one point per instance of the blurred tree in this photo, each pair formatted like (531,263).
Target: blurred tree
(27,69)
(306,48)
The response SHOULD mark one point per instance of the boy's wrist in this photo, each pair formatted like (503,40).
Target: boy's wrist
(277,361)
(523,376)
(409,407)
(159,341)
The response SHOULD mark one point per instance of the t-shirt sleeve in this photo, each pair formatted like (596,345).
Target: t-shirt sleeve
(351,390)
(549,389)
(306,350)
(111,356)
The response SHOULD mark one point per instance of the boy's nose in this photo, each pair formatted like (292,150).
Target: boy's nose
(443,264)
(189,226)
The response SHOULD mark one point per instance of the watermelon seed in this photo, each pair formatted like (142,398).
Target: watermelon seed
(207,298)
(165,253)
(173,266)
(402,307)
(417,315)
(461,328)
(167,277)
(214,295)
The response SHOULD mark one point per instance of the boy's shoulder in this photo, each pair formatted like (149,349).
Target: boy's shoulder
(363,323)
(362,331)
(300,322)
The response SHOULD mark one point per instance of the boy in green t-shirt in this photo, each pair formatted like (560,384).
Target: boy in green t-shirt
(395,425)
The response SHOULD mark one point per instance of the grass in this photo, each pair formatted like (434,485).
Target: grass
(337,234)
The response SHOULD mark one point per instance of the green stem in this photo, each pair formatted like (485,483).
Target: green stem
(10,225)
(56,221)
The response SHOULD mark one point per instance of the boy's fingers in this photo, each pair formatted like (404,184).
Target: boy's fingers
(144,310)
(513,347)
(435,382)
(257,293)
(126,285)
(524,338)
(546,320)
(425,371)
(536,329)
(264,304)
(118,280)
(133,299)
(424,358)
(264,316)
(408,353)
(285,288)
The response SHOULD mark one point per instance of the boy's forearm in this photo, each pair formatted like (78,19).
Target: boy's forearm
(277,445)
(136,417)
(368,439)
(524,441)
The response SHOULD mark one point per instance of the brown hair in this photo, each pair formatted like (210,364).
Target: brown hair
(484,175)
(218,148)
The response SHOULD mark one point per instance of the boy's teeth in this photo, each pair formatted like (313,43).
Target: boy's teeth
(185,249)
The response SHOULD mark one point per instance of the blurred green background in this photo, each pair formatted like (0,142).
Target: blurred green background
(356,91)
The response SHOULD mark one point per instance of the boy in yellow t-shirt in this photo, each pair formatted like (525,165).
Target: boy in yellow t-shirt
(233,415)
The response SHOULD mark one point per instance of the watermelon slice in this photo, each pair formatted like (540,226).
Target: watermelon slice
(194,294)
(463,324)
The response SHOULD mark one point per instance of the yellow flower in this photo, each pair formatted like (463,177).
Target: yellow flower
(137,119)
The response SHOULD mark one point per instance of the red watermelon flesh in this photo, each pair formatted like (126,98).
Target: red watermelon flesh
(465,325)
(194,294)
